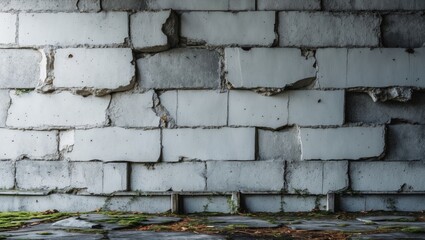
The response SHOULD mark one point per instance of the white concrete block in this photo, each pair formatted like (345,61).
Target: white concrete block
(115,177)
(202,204)
(313,108)
(225,28)
(7,173)
(151,31)
(12,72)
(15,144)
(133,110)
(332,67)
(58,110)
(164,70)
(42,174)
(50,5)
(4,106)
(87,175)
(208,144)
(288,4)
(342,143)
(248,108)
(387,176)
(110,69)
(114,144)
(73,28)
(185,176)
(201,108)
(245,176)
(267,67)
(7,28)
(324,29)
(283,144)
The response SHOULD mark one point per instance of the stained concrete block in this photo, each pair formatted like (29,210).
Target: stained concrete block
(245,176)
(208,144)
(164,70)
(4,106)
(380,176)
(342,143)
(115,177)
(13,75)
(263,203)
(404,30)
(405,142)
(104,69)
(225,28)
(154,31)
(288,4)
(111,144)
(314,108)
(133,110)
(58,110)
(87,175)
(16,144)
(324,29)
(283,144)
(185,176)
(146,204)
(42,174)
(367,5)
(268,67)
(199,204)
(89,5)
(316,177)
(50,5)
(73,28)
(7,173)
(7,28)
(361,108)
(190,5)
(248,108)
(201,108)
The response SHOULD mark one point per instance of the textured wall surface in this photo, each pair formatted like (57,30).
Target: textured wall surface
(272,105)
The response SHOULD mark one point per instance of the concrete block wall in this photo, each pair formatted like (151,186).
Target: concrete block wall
(132,104)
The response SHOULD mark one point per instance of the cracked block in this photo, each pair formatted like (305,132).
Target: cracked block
(4,106)
(88,175)
(42,175)
(133,110)
(15,144)
(154,31)
(98,71)
(112,144)
(7,28)
(44,111)
(7,173)
(269,68)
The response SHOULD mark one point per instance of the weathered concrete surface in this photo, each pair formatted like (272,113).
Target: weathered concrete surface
(367,5)
(115,177)
(4,106)
(283,144)
(288,5)
(405,142)
(49,5)
(42,174)
(199,204)
(405,31)
(7,173)
(87,175)
(7,28)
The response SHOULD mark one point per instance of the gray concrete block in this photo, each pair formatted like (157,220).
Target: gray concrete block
(87,175)
(133,110)
(288,4)
(263,203)
(361,108)
(135,145)
(225,28)
(405,203)
(164,70)
(146,204)
(342,143)
(248,108)
(367,5)
(405,142)
(124,5)
(188,5)
(7,28)
(47,175)
(7,173)
(74,28)
(270,68)
(49,5)
(245,176)
(17,144)
(404,30)
(89,5)
(115,177)
(13,75)
(208,144)
(199,204)
(380,176)
(319,29)
(319,177)
(283,144)
(103,69)
(183,176)
(315,108)
(58,110)
(4,106)
(293,203)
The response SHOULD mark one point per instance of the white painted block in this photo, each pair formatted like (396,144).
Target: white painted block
(7,28)
(225,28)
(115,177)
(60,110)
(100,68)
(342,143)
(267,67)
(42,175)
(15,144)
(208,144)
(248,108)
(73,28)
(113,144)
